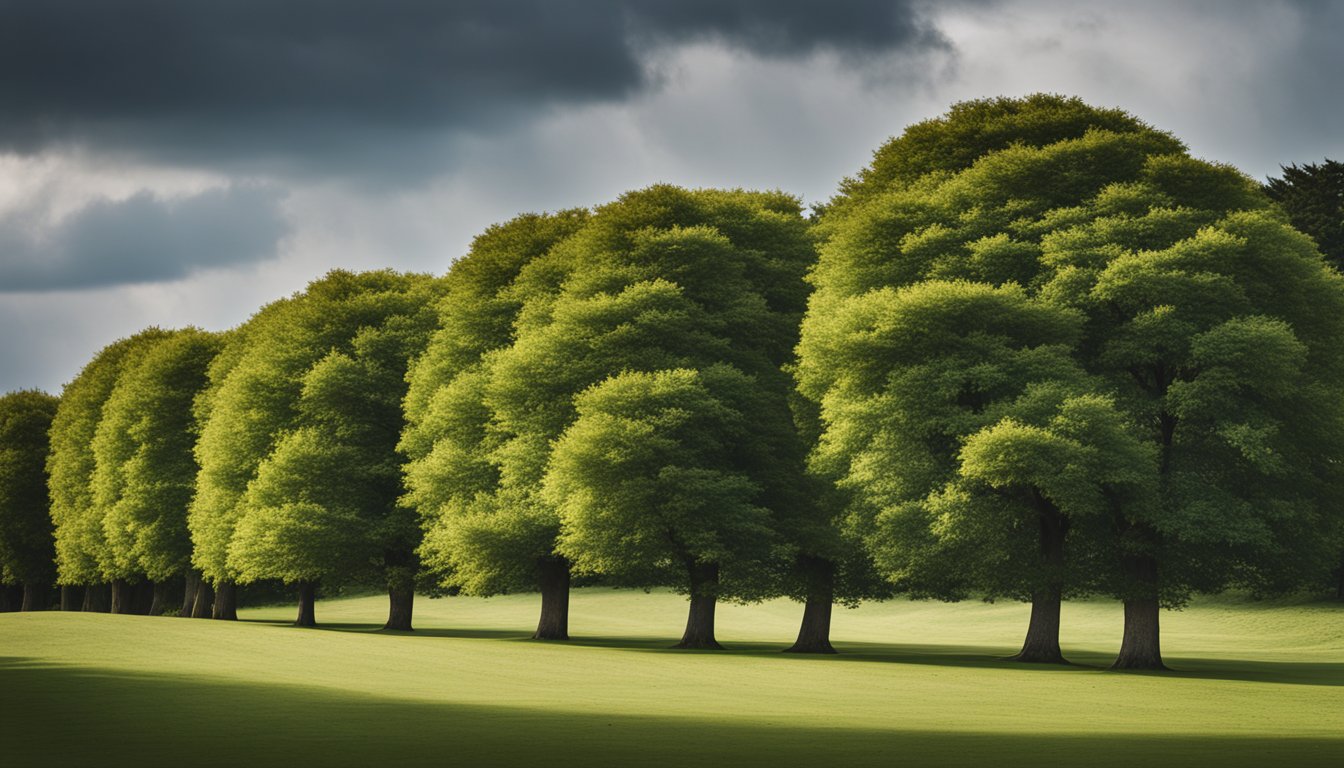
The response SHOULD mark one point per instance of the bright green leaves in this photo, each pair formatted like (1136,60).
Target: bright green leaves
(302,513)
(145,471)
(662,279)
(973,129)
(1080,458)
(81,547)
(656,474)
(300,428)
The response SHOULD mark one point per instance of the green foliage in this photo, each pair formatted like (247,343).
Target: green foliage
(662,279)
(1058,460)
(27,549)
(1207,323)
(81,548)
(905,377)
(660,472)
(448,440)
(301,514)
(972,129)
(299,428)
(144,470)
(1313,197)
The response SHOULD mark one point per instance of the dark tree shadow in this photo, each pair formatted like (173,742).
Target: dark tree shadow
(67,715)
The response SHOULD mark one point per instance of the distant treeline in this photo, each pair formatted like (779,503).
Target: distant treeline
(1033,351)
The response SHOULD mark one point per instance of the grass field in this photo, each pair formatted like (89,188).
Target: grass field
(915,684)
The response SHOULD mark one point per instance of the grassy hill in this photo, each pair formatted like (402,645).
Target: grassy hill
(915,684)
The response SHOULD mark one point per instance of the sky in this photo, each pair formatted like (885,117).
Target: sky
(183,162)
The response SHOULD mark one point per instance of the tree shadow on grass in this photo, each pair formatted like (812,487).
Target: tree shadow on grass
(363,628)
(66,715)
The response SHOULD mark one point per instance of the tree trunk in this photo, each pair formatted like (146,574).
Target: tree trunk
(814,636)
(1041,645)
(123,596)
(202,606)
(191,581)
(34,597)
(554,622)
(307,597)
(400,605)
(71,597)
(1339,586)
(226,601)
(699,632)
(96,598)
(158,603)
(1141,647)
(6,604)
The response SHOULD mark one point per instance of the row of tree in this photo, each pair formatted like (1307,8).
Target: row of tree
(1034,350)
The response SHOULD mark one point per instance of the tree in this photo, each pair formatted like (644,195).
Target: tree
(299,436)
(658,481)
(448,439)
(81,547)
(1313,197)
(664,278)
(661,279)
(144,470)
(27,548)
(1175,265)
(1035,495)
(966,395)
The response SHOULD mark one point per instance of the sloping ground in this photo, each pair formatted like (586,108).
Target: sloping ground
(915,684)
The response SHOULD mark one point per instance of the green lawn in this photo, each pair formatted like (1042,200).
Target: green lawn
(915,684)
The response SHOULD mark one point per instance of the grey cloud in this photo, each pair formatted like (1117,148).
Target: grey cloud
(335,86)
(141,239)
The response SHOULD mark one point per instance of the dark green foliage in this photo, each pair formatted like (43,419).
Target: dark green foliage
(1313,196)
(27,548)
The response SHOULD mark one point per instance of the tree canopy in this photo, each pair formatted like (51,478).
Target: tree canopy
(27,548)
(662,279)
(1175,269)
(144,469)
(299,477)
(81,545)
(1312,195)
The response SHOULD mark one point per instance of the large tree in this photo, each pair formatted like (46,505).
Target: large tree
(661,279)
(448,438)
(1312,194)
(1178,268)
(659,480)
(664,278)
(27,547)
(145,471)
(300,479)
(81,547)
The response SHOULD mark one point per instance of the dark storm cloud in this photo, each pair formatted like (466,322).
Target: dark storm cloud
(141,239)
(340,84)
